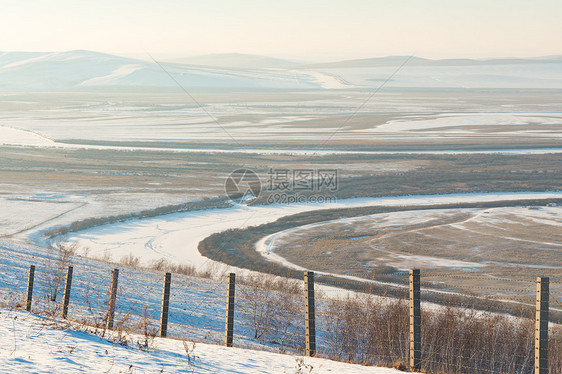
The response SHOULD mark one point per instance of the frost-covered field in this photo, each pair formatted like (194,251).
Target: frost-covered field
(485,251)
(103,136)
(196,314)
(175,237)
(24,215)
(512,224)
(458,76)
(39,345)
(228,122)
(94,97)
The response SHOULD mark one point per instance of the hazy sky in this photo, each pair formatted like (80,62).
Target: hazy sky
(303,29)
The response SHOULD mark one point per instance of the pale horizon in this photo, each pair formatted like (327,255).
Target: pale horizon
(311,31)
(169,56)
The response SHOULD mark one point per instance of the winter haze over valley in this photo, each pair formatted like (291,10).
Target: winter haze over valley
(263,140)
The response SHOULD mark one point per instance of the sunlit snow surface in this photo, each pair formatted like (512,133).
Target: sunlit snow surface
(550,217)
(33,132)
(177,236)
(34,344)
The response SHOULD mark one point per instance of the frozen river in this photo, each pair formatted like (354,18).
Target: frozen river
(175,237)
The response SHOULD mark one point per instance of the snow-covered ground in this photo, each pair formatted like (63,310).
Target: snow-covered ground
(11,136)
(197,305)
(86,69)
(24,213)
(513,75)
(49,128)
(33,120)
(39,345)
(176,236)
(459,123)
(500,218)
(197,310)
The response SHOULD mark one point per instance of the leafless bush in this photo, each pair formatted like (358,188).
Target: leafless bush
(62,254)
(191,357)
(271,283)
(130,261)
(125,326)
(555,350)
(368,330)
(96,304)
(106,257)
(302,367)
(465,341)
(12,300)
(274,310)
(162,264)
(148,331)
(121,329)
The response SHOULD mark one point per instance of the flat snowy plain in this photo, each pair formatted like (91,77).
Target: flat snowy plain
(176,236)
(285,124)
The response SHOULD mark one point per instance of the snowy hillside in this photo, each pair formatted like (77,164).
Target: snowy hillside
(42,344)
(236,60)
(419,61)
(86,70)
(39,345)
(93,71)
(450,73)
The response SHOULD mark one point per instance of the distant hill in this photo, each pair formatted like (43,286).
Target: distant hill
(93,71)
(419,61)
(464,74)
(87,70)
(236,61)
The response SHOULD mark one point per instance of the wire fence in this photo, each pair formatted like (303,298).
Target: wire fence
(270,314)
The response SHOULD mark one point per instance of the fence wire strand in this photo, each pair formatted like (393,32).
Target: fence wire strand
(269,314)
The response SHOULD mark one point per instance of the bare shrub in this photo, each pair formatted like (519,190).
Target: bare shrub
(106,257)
(62,254)
(190,353)
(302,367)
(185,269)
(159,265)
(121,329)
(148,331)
(555,350)
(211,271)
(95,306)
(130,260)
(126,325)
(367,330)
(465,341)
(274,309)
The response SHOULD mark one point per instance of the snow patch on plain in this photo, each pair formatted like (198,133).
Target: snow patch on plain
(177,236)
(14,136)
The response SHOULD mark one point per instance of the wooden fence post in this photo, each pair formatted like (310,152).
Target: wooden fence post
(229,325)
(415,320)
(112,299)
(30,280)
(66,298)
(541,326)
(309,314)
(165,305)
